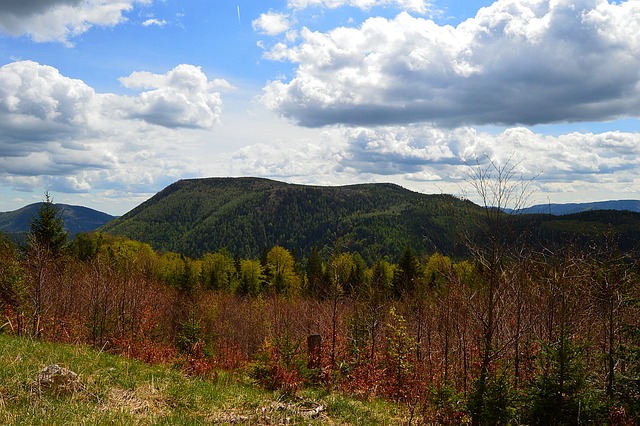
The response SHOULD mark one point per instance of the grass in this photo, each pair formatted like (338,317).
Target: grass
(114,390)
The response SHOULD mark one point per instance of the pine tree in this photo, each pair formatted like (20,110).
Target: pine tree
(408,272)
(47,229)
(47,242)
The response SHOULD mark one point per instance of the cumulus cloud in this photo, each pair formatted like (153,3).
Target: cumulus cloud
(153,21)
(61,20)
(38,104)
(184,97)
(422,152)
(418,6)
(516,62)
(61,132)
(272,23)
(431,159)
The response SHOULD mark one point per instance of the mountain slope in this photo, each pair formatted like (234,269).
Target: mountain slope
(248,215)
(76,219)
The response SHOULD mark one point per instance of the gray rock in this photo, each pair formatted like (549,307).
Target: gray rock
(58,379)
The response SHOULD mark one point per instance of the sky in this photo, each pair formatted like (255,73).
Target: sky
(103,103)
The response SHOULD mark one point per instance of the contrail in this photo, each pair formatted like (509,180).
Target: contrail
(239,20)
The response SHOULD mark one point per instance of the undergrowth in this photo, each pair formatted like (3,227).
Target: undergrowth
(117,390)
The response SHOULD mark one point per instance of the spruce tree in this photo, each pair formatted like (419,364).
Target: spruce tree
(47,229)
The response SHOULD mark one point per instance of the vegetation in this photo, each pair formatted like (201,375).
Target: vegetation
(76,219)
(249,216)
(117,390)
(515,332)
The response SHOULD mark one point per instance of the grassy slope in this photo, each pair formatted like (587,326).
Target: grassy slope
(117,390)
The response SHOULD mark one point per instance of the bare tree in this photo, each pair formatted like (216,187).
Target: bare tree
(495,242)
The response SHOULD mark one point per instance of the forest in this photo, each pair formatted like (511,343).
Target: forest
(511,333)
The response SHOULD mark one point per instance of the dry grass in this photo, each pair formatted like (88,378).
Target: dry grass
(115,390)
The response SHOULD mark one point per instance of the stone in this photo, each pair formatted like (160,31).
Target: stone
(58,379)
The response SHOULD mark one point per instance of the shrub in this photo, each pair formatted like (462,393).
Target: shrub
(561,392)
(279,365)
(493,400)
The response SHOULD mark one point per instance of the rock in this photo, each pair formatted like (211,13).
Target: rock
(57,379)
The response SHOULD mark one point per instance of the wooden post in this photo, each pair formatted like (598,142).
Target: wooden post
(314,342)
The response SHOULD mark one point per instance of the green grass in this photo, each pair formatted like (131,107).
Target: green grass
(118,391)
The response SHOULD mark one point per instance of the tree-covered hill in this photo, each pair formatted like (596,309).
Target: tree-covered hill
(76,219)
(248,215)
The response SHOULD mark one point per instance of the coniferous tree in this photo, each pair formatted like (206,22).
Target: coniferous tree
(47,242)
(47,229)
(408,272)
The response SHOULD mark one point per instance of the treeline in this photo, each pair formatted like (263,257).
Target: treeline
(507,336)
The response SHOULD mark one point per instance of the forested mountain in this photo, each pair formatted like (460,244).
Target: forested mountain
(250,215)
(76,219)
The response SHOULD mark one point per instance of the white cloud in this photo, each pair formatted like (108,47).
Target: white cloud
(516,62)
(183,97)
(271,23)
(418,6)
(419,151)
(153,21)
(430,159)
(61,20)
(59,133)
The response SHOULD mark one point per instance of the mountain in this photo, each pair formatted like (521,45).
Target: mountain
(570,208)
(249,215)
(76,219)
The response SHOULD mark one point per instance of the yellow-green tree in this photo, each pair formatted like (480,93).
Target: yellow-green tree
(219,272)
(251,277)
(281,271)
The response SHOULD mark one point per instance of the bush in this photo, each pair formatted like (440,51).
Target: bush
(279,365)
(493,400)
(561,394)
(443,405)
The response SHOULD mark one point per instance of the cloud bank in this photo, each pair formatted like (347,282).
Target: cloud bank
(61,20)
(422,156)
(61,130)
(418,6)
(516,62)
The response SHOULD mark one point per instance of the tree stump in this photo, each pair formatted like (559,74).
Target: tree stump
(314,342)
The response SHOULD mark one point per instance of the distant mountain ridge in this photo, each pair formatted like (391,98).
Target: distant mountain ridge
(76,219)
(571,208)
(249,215)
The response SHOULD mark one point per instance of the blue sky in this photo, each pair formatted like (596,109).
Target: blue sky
(104,103)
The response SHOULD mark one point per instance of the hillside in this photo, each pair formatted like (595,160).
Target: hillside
(111,389)
(248,215)
(76,219)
